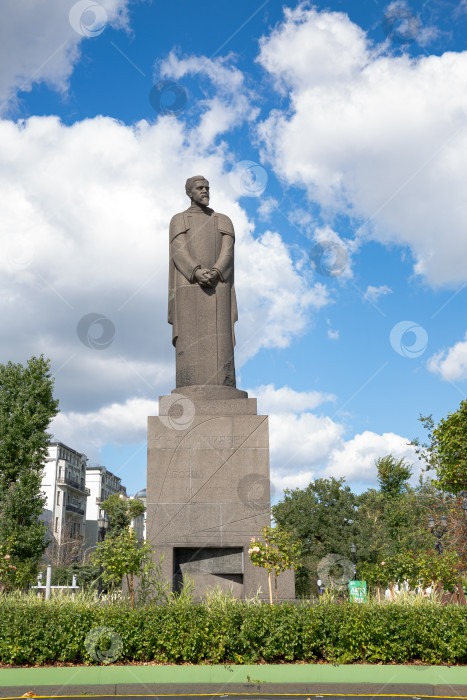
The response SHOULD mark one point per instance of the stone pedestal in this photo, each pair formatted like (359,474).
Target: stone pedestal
(208,491)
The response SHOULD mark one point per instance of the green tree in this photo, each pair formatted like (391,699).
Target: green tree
(323,517)
(278,551)
(393,519)
(393,475)
(418,569)
(121,512)
(122,556)
(446,449)
(26,408)
(426,450)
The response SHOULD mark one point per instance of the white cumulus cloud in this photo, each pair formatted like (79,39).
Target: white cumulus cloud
(374,293)
(40,40)
(232,102)
(266,207)
(287,400)
(378,137)
(116,424)
(305,446)
(332,333)
(451,363)
(355,458)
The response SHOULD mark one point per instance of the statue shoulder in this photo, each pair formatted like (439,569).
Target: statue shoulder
(225,224)
(178,225)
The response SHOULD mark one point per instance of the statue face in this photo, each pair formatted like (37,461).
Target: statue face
(199,192)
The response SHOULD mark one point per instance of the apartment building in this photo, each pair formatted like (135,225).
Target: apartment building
(101,484)
(64,485)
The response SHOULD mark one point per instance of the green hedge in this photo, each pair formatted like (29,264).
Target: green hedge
(34,632)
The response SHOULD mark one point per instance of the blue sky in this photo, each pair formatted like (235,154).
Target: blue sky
(335,137)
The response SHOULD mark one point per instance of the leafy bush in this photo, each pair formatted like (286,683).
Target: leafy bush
(225,630)
(86,575)
(419,570)
(14,572)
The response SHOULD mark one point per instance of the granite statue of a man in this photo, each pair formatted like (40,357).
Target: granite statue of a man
(202,303)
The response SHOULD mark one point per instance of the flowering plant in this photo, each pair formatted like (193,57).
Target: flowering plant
(277,551)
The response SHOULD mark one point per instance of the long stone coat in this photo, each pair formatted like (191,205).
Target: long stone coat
(202,319)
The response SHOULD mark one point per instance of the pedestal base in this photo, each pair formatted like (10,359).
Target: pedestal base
(210,392)
(208,493)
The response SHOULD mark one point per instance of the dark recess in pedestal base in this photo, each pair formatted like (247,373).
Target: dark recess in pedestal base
(221,566)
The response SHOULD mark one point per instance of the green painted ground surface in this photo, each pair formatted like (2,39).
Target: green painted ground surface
(281,673)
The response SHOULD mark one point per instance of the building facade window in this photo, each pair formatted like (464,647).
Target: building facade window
(56,524)
(58,498)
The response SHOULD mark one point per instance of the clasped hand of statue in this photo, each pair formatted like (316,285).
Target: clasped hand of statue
(207,278)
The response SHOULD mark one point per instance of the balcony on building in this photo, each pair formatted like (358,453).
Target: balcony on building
(74,509)
(68,481)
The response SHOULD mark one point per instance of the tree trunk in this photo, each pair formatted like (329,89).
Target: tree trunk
(270,587)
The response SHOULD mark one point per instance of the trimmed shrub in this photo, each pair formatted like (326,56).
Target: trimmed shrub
(224,630)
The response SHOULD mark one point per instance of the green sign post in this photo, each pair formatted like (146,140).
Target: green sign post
(358,591)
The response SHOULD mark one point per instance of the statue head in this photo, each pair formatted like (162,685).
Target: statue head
(197,188)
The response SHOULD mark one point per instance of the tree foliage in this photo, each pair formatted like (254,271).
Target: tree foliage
(26,409)
(446,449)
(393,475)
(8,567)
(322,516)
(384,523)
(121,512)
(420,569)
(393,519)
(122,556)
(451,439)
(278,551)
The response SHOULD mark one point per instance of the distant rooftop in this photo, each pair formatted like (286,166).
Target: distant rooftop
(57,443)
